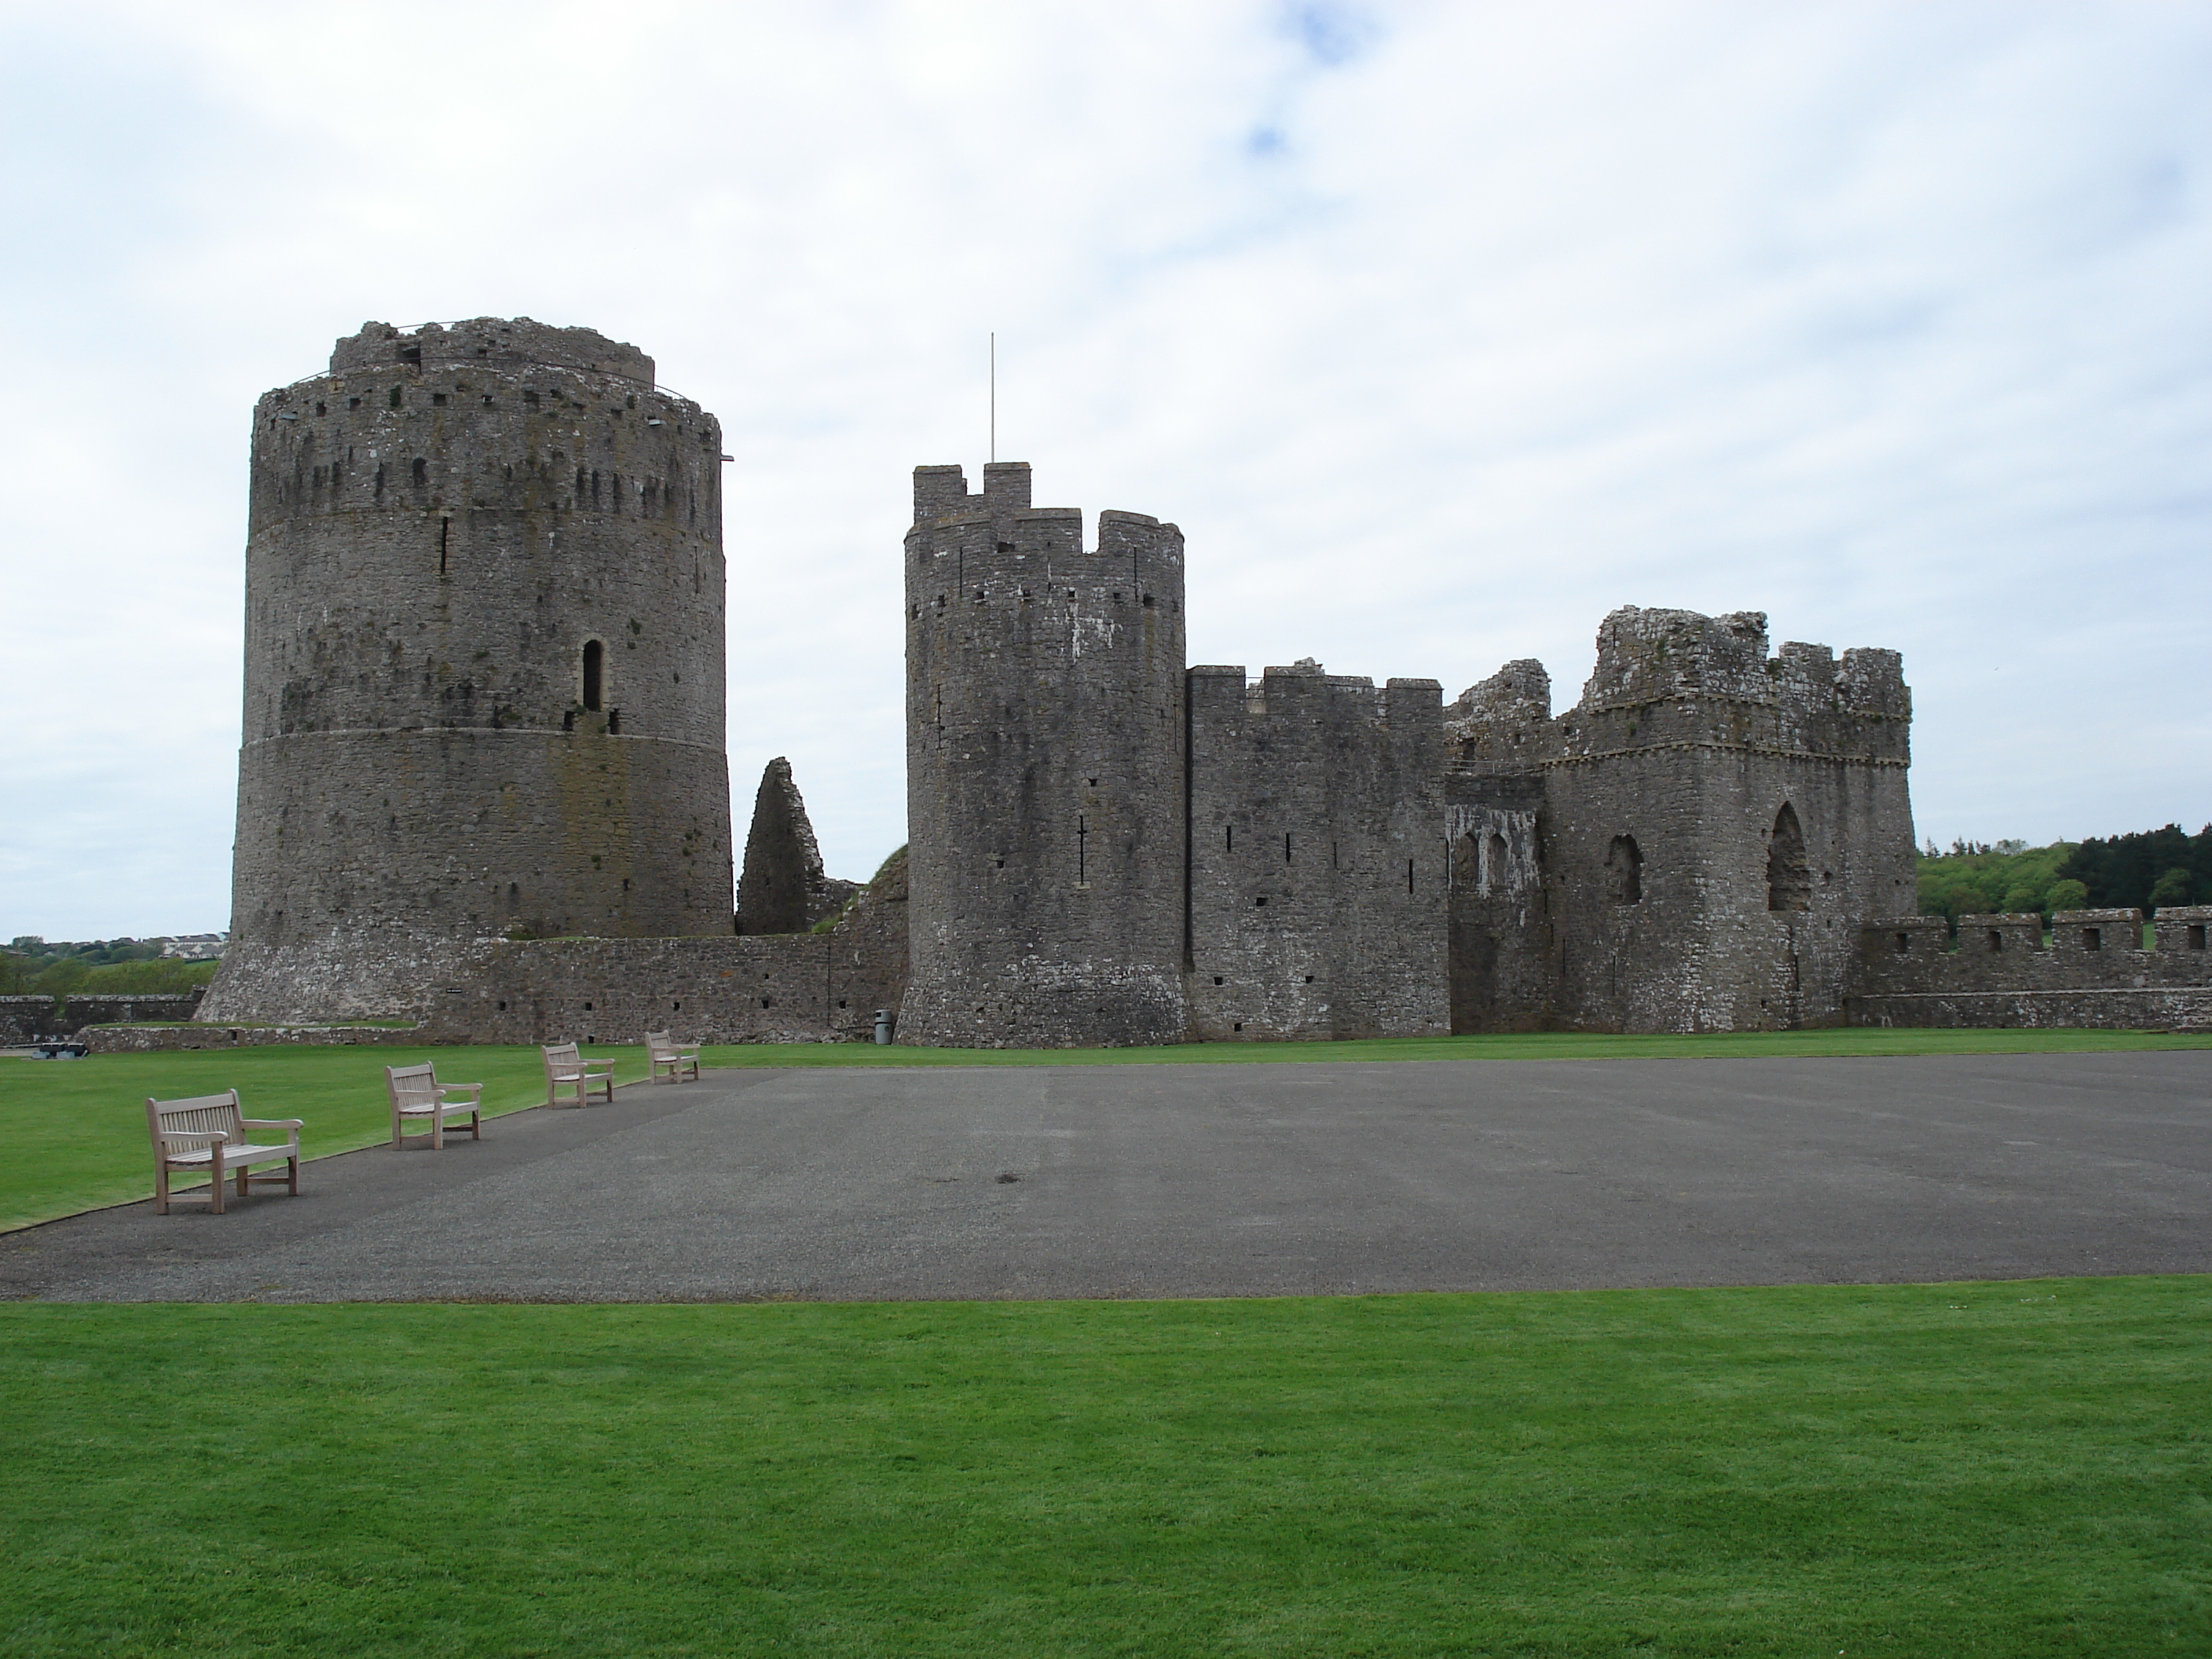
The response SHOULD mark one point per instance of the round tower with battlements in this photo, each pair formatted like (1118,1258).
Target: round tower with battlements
(1045,789)
(485,665)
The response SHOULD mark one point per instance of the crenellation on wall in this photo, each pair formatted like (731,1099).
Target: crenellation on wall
(1045,704)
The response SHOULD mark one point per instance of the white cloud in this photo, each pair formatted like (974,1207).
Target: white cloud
(1441,329)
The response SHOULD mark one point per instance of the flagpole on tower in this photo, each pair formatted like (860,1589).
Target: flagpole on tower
(994,394)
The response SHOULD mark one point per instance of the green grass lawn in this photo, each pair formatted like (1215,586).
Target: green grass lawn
(76,1129)
(2012,1469)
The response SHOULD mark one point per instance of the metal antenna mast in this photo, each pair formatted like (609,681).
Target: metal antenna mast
(994,394)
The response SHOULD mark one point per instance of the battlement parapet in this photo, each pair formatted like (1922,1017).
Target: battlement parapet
(496,342)
(1652,656)
(2181,928)
(2000,956)
(941,491)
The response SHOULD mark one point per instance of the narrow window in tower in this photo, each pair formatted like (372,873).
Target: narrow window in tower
(1789,878)
(1286,847)
(1409,875)
(1624,871)
(421,473)
(445,533)
(1229,838)
(395,397)
(1082,863)
(594,669)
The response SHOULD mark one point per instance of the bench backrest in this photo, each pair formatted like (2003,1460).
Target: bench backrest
(204,1114)
(659,1045)
(561,1057)
(412,1085)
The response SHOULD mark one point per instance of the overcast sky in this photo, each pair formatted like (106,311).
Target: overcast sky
(1441,329)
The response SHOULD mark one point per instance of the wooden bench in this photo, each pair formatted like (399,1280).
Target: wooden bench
(663,1050)
(416,1093)
(206,1135)
(565,1069)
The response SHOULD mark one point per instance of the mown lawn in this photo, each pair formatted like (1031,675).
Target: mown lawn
(76,1129)
(2011,1470)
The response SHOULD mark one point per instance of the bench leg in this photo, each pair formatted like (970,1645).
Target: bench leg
(161,1188)
(292,1165)
(214,1186)
(437,1130)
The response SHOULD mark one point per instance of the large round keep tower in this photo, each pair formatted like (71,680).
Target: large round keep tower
(483,664)
(1045,791)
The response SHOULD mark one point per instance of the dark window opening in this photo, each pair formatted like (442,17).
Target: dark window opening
(444,536)
(587,1008)
(1238,1026)
(438,398)
(1409,875)
(2195,935)
(2092,939)
(413,354)
(421,472)
(395,397)
(1624,871)
(1229,838)
(1286,847)
(1308,979)
(321,409)
(568,719)
(1217,979)
(353,402)
(768,1002)
(1789,879)
(1903,944)
(614,724)
(1148,602)
(1261,899)
(595,667)
(1494,850)
(1996,940)
(1082,851)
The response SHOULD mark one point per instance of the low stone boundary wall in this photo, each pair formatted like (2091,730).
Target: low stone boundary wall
(147,1039)
(2155,1009)
(24,1018)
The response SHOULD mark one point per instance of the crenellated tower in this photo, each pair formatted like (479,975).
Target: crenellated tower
(1045,789)
(483,664)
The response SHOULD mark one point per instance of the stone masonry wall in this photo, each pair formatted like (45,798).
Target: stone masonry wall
(1716,824)
(1044,770)
(1315,884)
(2094,971)
(484,665)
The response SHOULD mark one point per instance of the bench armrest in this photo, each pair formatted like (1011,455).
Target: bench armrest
(205,1137)
(272,1123)
(474,1090)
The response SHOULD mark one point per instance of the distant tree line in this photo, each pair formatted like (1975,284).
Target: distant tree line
(2144,870)
(29,966)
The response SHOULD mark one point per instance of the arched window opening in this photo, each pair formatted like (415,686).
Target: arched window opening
(1624,871)
(1494,863)
(1789,880)
(594,674)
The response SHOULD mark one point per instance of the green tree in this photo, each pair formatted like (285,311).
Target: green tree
(2067,896)
(2172,888)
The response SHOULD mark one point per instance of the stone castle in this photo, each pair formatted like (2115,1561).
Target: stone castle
(483,782)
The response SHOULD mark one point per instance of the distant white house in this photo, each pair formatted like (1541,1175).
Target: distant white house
(191,947)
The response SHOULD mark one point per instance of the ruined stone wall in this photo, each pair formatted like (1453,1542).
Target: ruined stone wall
(1715,825)
(771,987)
(1044,770)
(485,665)
(1316,883)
